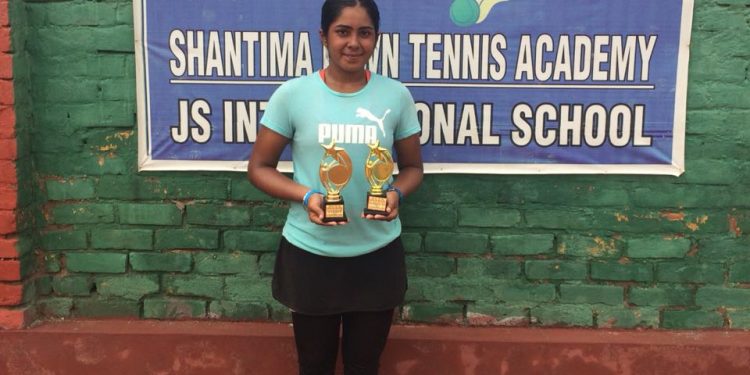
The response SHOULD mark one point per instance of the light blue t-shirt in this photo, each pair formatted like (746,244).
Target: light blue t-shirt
(310,114)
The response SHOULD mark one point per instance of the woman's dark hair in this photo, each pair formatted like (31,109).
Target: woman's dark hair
(332,10)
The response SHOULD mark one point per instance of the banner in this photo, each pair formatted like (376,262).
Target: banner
(501,86)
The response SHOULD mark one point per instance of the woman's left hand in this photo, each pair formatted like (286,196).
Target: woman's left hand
(391,208)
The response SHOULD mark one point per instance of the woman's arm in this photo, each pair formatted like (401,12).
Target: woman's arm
(410,174)
(262,172)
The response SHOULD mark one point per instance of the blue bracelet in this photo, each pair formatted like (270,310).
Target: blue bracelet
(398,191)
(306,199)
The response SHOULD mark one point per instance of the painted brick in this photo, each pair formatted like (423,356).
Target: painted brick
(418,286)
(739,272)
(173,308)
(8,197)
(467,243)
(122,239)
(87,163)
(691,319)
(129,287)
(154,214)
(621,317)
(118,187)
(251,241)
(265,216)
(556,270)
(497,268)
(690,272)
(11,294)
(519,293)
(7,118)
(9,248)
(90,14)
(431,217)
(622,272)
(739,318)
(52,263)
(266,264)
(43,285)
(716,296)
(522,244)
(16,318)
(593,192)
(433,312)
(605,294)
(490,314)
(563,315)
(117,89)
(6,66)
(166,262)
(225,263)
(589,246)
(430,266)
(10,270)
(658,247)
(88,213)
(242,190)
(96,262)
(187,239)
(279,312)
(218,215)
(198,286)
(55,307)
(488,217)
(8,147)
(412,242)
(115,38)
(72,285)
(7,96)
(238,310)
(457,289)
(247,289)
(8,222)
(560,219)
(106,308)
(73,189)
(64,240)
(678,196)
(661,296)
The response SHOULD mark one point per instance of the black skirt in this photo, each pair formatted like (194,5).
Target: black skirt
(317,285)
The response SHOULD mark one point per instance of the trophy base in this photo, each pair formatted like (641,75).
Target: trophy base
(334,211)
(376,204)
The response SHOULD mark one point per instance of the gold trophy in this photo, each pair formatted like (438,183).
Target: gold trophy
(378,170)
(335,172)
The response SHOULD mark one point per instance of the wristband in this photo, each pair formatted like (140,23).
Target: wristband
(306,199)
(398,191)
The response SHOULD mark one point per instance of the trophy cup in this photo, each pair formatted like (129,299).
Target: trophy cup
(378,170)
(335,172)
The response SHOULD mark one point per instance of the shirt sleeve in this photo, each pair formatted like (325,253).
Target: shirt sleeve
(277,114)
(408,124)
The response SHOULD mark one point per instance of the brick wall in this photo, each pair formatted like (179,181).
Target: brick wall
(16,263)
(592,251)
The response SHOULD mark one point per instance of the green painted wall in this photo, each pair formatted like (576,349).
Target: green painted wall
(625,251)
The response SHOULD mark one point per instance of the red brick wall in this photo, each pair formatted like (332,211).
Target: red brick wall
(11,287)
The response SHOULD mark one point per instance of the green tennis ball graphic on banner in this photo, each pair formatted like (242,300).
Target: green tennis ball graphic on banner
(471,12)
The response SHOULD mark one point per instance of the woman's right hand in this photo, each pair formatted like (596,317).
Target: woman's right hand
(315,211)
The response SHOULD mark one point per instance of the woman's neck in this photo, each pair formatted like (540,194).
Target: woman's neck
(345,81)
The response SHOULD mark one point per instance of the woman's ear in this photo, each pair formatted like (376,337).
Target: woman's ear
(322,37)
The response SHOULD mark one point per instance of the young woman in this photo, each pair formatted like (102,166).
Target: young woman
(346,274)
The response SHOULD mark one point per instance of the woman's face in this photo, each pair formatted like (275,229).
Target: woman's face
(350,40)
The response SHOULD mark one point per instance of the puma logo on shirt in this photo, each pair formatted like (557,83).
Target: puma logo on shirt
(353,133)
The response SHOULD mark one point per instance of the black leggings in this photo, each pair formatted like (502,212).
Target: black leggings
(362,342)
